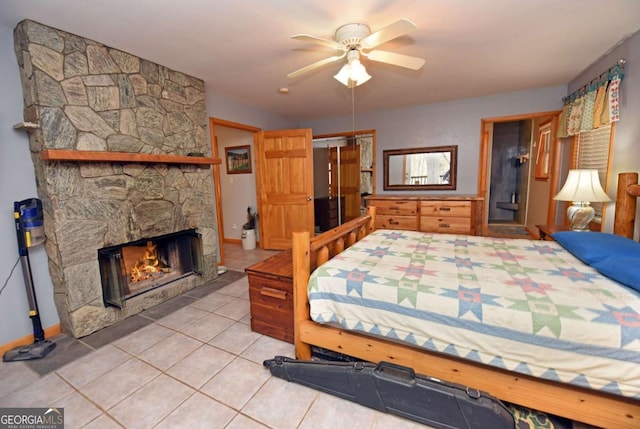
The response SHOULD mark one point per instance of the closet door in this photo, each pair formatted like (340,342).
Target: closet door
(284,176)
(345,178)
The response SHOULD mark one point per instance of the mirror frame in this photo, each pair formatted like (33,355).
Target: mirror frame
(453,151)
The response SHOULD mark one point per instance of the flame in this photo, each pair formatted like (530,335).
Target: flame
(149,265)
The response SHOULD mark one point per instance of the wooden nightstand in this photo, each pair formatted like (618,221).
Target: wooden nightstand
(547,230)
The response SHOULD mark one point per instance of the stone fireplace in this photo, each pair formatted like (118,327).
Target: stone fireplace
(82,97)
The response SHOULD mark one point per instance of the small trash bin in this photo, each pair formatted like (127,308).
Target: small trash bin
(248,239)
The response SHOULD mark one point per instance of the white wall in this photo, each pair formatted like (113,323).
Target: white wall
(626,144)
(17,182)
(223,108)
(451,123)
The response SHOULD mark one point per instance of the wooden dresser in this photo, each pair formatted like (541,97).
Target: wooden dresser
(271,296)
(433,213)
(326,212)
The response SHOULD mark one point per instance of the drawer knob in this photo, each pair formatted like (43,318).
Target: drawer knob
(393,222)
(273,293)
(445,209)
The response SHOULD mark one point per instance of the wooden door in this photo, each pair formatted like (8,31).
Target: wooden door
(284,178)
(348,184)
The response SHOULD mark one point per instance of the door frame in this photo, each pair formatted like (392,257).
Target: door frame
(485,159)
(216,172)
(353,134)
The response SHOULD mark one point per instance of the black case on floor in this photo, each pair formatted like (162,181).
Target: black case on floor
(398,390)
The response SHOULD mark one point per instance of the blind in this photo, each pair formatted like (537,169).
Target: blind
(592,152)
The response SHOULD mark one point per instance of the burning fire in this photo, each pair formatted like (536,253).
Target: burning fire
(149,265)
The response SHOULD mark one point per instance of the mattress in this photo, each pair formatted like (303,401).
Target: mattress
(524,305)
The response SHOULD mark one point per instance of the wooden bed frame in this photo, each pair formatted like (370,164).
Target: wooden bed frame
(585,405)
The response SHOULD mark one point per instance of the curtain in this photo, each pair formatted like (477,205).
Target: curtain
(593,106)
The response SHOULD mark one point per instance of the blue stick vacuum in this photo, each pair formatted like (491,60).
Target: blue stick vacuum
(30,231)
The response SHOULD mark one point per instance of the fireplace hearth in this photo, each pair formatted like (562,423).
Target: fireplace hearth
(134,268)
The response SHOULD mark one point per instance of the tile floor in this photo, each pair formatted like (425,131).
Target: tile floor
(192,362)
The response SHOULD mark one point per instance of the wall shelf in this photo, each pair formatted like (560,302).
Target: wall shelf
(96,156)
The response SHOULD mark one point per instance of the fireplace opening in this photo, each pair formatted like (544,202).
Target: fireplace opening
(130,269)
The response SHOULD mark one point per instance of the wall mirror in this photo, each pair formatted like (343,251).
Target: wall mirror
(420,169)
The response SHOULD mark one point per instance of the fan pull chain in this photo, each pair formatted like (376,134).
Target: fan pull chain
(353,112)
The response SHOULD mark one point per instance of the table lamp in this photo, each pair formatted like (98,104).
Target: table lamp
(581,188)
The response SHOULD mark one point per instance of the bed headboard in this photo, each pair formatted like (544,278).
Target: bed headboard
(626,203)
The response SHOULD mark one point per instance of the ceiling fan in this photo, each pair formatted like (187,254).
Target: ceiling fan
(355,40)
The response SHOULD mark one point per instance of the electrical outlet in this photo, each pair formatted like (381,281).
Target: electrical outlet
(234,226)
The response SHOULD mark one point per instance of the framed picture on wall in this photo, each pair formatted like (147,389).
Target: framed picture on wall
(238,159)
(543,152)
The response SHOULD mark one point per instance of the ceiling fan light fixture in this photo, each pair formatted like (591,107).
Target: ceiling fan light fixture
(353,73)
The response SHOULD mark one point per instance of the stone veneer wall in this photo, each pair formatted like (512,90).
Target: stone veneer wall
(87,96)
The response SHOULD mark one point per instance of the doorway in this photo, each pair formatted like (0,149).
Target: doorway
(344,173)
(516,197)
(509,175)
(234,193)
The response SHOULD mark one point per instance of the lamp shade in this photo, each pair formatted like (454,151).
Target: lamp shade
(353,73)
(582,185)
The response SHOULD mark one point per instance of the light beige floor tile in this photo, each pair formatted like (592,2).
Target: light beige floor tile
(200,366)
(103,422)
(170,350)
(241,421)
(207,327)
(140,340)
(235,339)
(77,410)
(246,319)
(199,411)
(42,393)
(329,412)
(112,387)
(183,317)
(280,404)
(212,302)
(235,309)
(15,375)
(146,407)
(93,365)
(237,383)
(235,289)
(267,348)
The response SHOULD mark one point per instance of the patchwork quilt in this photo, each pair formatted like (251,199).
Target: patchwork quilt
(522,305)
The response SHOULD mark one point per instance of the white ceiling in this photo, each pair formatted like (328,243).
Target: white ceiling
(243,50)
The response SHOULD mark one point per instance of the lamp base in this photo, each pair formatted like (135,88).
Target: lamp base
(580,213)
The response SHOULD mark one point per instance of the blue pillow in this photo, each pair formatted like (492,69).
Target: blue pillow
(591,247)
(625,270)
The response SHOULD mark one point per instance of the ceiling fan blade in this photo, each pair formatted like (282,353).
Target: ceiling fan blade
(390,32)
(315,65)
(413,63)
(318,40)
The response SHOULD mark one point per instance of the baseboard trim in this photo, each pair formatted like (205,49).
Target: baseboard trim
(51,331)
(233,240)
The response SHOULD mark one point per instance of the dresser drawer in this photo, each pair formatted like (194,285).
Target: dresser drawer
(446,208)
(442,224)
(396,222)
(401,208)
